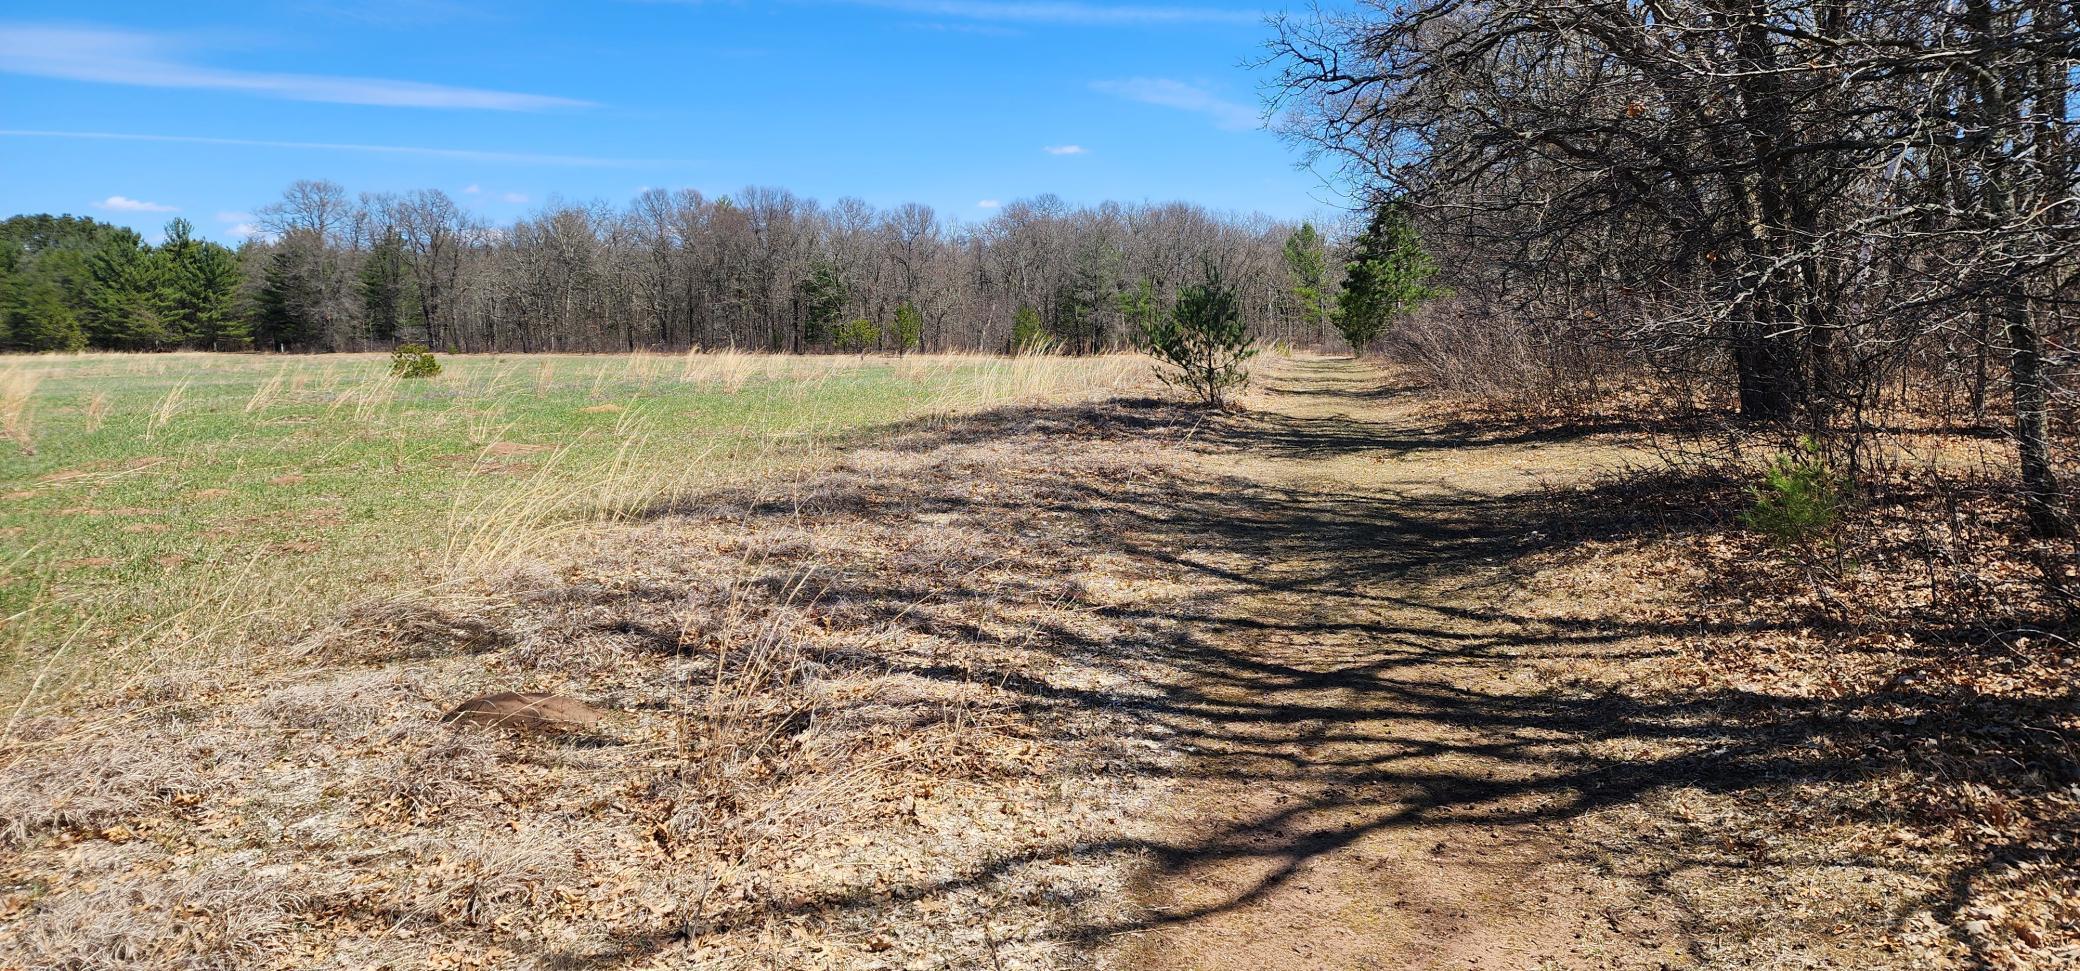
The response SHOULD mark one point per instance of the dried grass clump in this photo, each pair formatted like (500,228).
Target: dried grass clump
(397,628)
(137,906)
(83,778)
(17,386)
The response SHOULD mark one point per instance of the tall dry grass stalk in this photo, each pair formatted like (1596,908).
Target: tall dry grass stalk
(372,398)
(97,411)
(166,409)
(554,502)
(17,386)
(268,392)
(999,381)
(728,369)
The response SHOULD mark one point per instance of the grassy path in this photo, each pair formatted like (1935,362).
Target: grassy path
(1377,781)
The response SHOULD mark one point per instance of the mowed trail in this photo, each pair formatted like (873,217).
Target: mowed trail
(1375,777)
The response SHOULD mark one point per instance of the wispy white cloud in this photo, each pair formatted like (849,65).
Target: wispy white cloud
(516,198)
(472,189)
(980,30)
(154,61)
(1069,11)
(127,204)
(240,225)
(988,204)
(1066,150)
(1169,93)
(396,13)
(464,154)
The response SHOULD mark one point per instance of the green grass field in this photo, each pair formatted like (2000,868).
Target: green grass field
(208,501)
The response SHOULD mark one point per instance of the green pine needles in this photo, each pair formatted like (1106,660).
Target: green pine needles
(858,335)
(908,330)
(413,361)
(1388,275)
(1029,335)
(1799,499)
(1202,345)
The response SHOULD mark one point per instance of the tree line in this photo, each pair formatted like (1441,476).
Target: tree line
(68,283)
(1815,210)
(762,269)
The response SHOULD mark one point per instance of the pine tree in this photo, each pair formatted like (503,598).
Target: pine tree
(1139,306)
(386,289)
(199,285)
(1307,263)
(1091,293)
(39,318)
(209,285)
(824,294)
(1387,276)
(909,328)
(290,300)
(1028,334)
(128,304)
(858,335)
(1203,343)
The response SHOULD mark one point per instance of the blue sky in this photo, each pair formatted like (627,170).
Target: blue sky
(504,105)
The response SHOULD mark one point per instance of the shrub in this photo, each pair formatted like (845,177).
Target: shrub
(909,328)
(1800,497)
(858,335)
(1028,334)
(413,361)
(1202,345)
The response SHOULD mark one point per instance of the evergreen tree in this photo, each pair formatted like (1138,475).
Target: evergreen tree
(209,289)
(290,301)
(1028,334)
(859,335)
(909,328)
(1307,263)
(46,263)
(386,289)
(1139,306)
(1091,293)
(199,286)
(1388,275)
(39,318)
(1203,343)
(13,290)
(128,303)
(824,294)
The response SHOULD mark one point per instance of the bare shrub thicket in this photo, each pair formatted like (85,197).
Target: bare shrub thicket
(1816,212)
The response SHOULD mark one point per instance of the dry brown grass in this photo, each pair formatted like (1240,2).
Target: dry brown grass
(17,387)
(817,760)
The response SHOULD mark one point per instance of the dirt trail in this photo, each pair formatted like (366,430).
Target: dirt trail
(1376,778)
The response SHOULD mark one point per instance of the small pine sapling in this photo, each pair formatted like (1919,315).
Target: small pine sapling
(1202,344)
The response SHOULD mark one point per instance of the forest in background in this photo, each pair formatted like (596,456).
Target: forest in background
(763,269)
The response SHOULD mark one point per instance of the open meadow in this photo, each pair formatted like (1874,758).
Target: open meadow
(191,505)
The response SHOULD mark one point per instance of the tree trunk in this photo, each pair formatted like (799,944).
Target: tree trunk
(2041,496)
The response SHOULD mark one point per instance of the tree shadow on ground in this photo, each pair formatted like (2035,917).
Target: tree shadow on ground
(1408,710)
